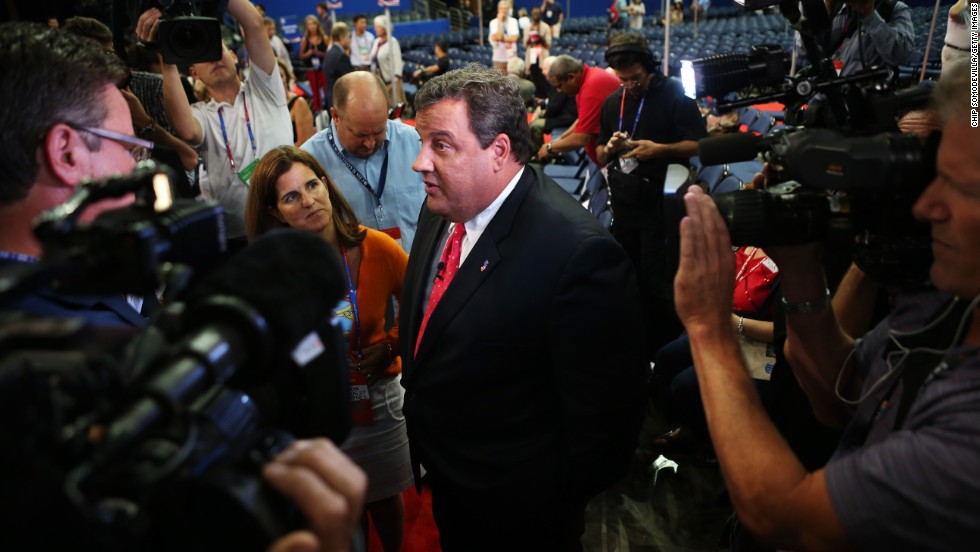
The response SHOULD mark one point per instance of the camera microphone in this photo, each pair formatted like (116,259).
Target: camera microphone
(730,148)
(242,325)
(291,277)
(440,269)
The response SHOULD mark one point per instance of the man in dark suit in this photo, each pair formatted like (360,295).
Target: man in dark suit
(521,337)
(337,63)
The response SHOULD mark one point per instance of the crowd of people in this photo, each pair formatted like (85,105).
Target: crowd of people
(500,340)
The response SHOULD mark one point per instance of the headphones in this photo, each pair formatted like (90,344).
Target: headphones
(648,60)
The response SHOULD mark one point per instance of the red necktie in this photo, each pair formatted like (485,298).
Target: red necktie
(447,268)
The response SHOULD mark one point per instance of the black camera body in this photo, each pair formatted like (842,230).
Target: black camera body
(855,191)
(158,443)
(154,439)
(190,30)
(851,177)
(129,250)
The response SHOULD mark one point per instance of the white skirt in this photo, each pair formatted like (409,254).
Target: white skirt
(381,449)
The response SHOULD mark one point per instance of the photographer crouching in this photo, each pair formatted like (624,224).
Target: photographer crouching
(903,475)
(64,121)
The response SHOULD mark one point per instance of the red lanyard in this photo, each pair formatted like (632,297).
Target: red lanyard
(622,104)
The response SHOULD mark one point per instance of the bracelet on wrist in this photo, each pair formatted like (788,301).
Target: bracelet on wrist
(740,330)
(548,147)
(804,307)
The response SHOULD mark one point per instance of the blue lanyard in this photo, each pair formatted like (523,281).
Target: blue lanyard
(360,177)
(622,103)
(224,133)
(19,257)
(353,303)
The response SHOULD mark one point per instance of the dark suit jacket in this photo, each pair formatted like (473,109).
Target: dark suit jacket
(335,65)
(530,384)
(561,111)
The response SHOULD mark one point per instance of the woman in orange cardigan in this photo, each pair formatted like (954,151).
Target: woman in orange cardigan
(290,188)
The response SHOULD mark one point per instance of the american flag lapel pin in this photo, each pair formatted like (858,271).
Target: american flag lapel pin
(484,267)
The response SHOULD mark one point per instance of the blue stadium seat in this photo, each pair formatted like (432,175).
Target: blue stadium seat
(599,205)
(711,176)
(762,124)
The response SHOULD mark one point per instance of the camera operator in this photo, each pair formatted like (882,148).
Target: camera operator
(242,121)
(870,32)
(63,109)
(903,475)
(64,121)
(329,489)
(144,125)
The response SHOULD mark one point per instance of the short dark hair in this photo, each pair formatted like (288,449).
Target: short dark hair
(262,196)
(492,100)
(635,50)
(359,17)
(443,45)
(47,76)
(89,28)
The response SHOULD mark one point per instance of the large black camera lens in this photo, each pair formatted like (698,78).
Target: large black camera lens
(776,217)
(188,40)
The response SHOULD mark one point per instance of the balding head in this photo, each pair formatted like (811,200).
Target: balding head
(360,112)
(362,88)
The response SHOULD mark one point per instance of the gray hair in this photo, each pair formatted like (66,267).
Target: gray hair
(515,66)
(546,65)
(951,96)
(492,100)
(563,66)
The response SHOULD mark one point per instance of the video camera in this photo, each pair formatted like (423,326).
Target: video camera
(846,189)
(858,103)
(152,242)
(126,440)
(852,177)
(190,30)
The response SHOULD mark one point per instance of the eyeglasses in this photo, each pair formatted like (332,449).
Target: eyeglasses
(139,149)
(633,81)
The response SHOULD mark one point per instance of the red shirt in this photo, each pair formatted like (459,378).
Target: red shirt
(597,85)
(754,280)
